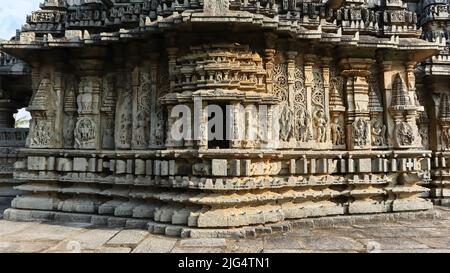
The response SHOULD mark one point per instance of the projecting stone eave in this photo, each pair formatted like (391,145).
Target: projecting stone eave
(220,95)
(190,20)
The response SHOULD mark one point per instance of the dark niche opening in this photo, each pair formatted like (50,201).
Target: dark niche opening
(217,126)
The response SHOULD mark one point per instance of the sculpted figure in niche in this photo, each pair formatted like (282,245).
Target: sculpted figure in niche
(108,135)
(337,132)
(303,126)
(84,133)
(125,128)
(42,134)
(378,133)
(159,128)
(286,118)
(445,137)
(360,129)
(141,128)
(68,131)
(321,123)
(404,134)
(216,7)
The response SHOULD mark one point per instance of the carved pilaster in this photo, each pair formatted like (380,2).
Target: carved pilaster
(358,127)
(88,128)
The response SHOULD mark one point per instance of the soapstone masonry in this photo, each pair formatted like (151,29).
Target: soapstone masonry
(15,92)
(357,94)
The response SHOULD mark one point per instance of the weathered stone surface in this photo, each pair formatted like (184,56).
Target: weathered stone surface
(330,243)
(91,239)
(420,238)
(203,242)
(155,244)
(128,238)
(321,117)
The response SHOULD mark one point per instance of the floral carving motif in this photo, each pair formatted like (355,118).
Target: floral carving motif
(280,88)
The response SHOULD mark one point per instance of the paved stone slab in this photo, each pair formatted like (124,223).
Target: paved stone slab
(280,242)
(303,251)
(154,244)
(128,238)
(246,245)
(416,251)
(29,247)
(402,236)
(401,232)
(45,232)
(91,239)
(339,232)
(199,250)
(206,242)
(437,242)
(392,244)
(421,224)
(113,250)
(330,243)
(7,227)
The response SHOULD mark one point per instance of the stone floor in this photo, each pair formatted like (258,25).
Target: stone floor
(398,236)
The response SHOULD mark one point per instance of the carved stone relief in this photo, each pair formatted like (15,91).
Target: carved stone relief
(124,116)
(70,110)
(404,134)
(85,131)
(361,132)
(108,107)
(337,131)
(43,106)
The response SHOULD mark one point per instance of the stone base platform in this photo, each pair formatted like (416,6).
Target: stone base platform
(445,202)
(188,232)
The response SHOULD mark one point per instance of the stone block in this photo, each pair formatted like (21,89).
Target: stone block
(121,167)
(235,167)
(157,167)
(322,166)
(130,166)
(148,167)
(219,167)
(92,165)
(302,166)
(173,167)
(37,163)
(51,163)
(364,165)
(164,168)
(312,166)
(80,164)
(246,167)
(351,165)
(139,168)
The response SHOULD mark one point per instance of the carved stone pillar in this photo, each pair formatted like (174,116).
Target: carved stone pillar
(237,128)
(325,61)
(7,109)
(290,58)
(154,122)
(309,61)
(358,128)
(269,60)
(201,123)
(88,130)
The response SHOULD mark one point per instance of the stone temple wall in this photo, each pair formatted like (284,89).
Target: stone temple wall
(325,114)
(434,85)
(14,94)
